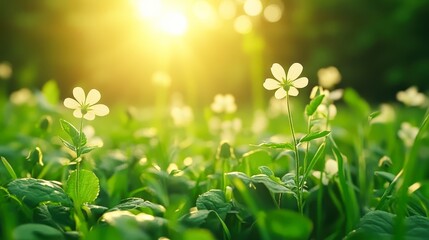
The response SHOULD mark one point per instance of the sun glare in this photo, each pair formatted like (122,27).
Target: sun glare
(163,16)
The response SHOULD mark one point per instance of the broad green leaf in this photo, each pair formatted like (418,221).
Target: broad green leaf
(34,231)
(95,211)
(314,135)
(205,219)
(253,159)
(356,102)
(88,186)
(78,140)
(243,177)
(197,233)
(313,105)
(8,168)
(54,215)
(266,170)
(51,92)
(35,191)
(273,186)
(214,200)
(285,224)
(140,226)
(139,205)
(276,145)
(381,225)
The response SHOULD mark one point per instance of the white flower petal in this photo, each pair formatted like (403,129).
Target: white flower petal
(100,110)
(294,71)
(280,93)
(293,91)
(300,82)
(93,97)
(89,116)
(79,95)
(77,113)
(71,103)
(271,84)
(278,72)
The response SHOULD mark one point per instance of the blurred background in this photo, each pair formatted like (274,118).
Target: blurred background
(134,50)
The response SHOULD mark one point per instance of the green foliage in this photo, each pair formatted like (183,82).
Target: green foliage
(88,189)
(381,225)
(8,168)
(51,92)
(34,231)
(311,108)
(33,192)
(286,224)
(314,135)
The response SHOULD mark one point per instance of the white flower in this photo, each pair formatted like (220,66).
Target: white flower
(22,96)
(408,133)
(286,85)
(92,140)
(260,122)
(387,114)
(411,97)
(5,70)
(224,103)
(331,169)
(329,77)
(182,115)
(85,106)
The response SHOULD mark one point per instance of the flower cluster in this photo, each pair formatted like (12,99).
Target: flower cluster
(411,97)
(224,104)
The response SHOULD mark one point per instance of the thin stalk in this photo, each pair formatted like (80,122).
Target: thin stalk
(295,148)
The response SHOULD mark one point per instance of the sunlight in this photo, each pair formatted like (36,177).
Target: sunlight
(163,16)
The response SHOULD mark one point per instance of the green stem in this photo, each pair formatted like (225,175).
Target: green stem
(295,148)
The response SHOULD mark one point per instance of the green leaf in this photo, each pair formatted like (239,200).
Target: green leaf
(277,145)
(8,168)
(35,191)
(356,102)
(266,170)
(51,92)
(273,186)
(313,105)
(139,205)
(87,149)
(214,200)
(253,159)
(34,231)
(314,135)
(243,177)
(68,145)
(197,233)
(285,224)
(386,175)
(373,115)
(381,225)
(54,215)
(88,186)
(318,155)
(78,140)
